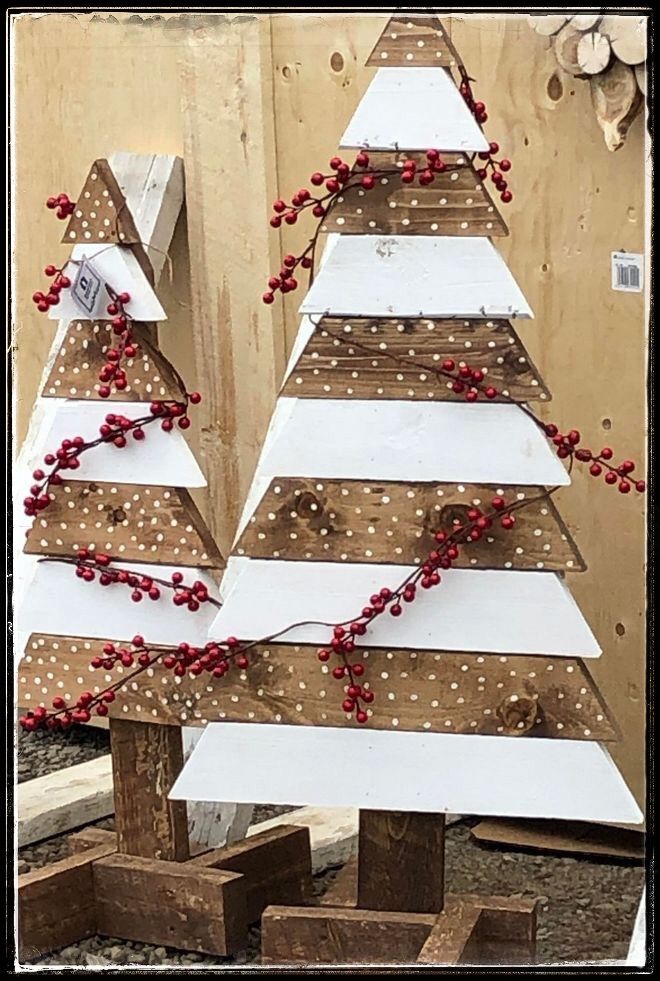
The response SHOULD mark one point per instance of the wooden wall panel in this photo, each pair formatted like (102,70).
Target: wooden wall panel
(574,203)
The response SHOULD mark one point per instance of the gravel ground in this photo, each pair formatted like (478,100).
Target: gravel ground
(587,912)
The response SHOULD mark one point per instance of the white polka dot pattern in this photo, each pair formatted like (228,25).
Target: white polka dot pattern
(100,214)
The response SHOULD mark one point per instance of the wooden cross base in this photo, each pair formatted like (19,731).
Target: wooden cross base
(344,930)
(142,883)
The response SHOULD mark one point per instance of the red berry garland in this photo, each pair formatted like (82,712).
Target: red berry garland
(112,373)
(44,301)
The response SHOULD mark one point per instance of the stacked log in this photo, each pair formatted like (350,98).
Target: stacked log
(610,52)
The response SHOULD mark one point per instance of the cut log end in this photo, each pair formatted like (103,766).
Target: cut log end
(548,24)
(593,53)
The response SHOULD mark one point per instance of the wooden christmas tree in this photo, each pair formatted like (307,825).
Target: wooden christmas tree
(120,515)
(401,457)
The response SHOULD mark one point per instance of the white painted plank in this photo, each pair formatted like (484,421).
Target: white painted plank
(107,612)
(65,799)
(637,955)
(407,771)
(153,187)
(118,267)
(212,824)
(410,441)
(498,611)
(415,276)
(161,458)
(413,109)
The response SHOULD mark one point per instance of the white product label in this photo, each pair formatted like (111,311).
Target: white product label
(627,272)
(87,290)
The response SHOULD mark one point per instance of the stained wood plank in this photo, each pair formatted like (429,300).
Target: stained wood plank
(276,865)
(395,523)
(390,358)
(413,109)
(292,935)
(567,837)
(146,760)
(133,522)
(172,904)
(401,861)
(414,691)
(86,838)
(56,904)
(413,39)
(456,203)
(343,891)
(454,938)
(101,213)
(74,372)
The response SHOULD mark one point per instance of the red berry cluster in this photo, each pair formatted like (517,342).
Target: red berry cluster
(112,373)
(44,301)
(216,658)
(478,109)
(171,412)
(89,564)
(344,639)
(286,281)
(62,205)
(568,446)
(467,381)
(66,457)
(497,176)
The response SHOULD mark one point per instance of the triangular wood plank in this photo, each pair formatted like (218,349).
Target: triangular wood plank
(419,772)
(385,358)
(478,694)
(413,109)
(132,522)
(500,611)
(416,40)
(75,370)
(101,214)
(373,276)
(394,523)
(457,203)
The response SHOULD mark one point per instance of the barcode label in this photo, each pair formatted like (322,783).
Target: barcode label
(627,272)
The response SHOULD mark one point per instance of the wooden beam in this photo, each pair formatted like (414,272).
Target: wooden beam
(171,904)
(65,799)
(343,891)
(276,865)
(146,760)
(454,938)
(56,904)
(342,936)
(401,861)
(235,336)
(81,841)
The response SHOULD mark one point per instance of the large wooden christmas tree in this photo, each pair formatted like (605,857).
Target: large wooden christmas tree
(402,457)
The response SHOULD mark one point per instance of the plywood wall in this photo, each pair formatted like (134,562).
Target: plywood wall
(255,103)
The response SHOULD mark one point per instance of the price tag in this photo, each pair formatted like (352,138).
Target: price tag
(87,290)
(627,272)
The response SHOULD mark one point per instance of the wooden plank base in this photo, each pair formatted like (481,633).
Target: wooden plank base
(170,903)
(203,904)
(470,930)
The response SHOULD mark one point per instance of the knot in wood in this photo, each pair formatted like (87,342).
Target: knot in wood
(308,505)
(518,714)
(453,515)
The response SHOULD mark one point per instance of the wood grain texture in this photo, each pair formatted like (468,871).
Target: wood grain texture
(276,866)
(416,40)
(568,837)
(232,330)
(132,522)
(395,523)
(342,891)
(146,760)
(401,861)
(45,921)
(366,357)
(435,692)
(294,935)
(101,213)
(172,904)
(457,203)
(454,938)
(76,367)
(86,838)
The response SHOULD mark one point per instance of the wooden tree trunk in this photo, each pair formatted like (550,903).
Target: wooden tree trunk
(401,861)
(146,760)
